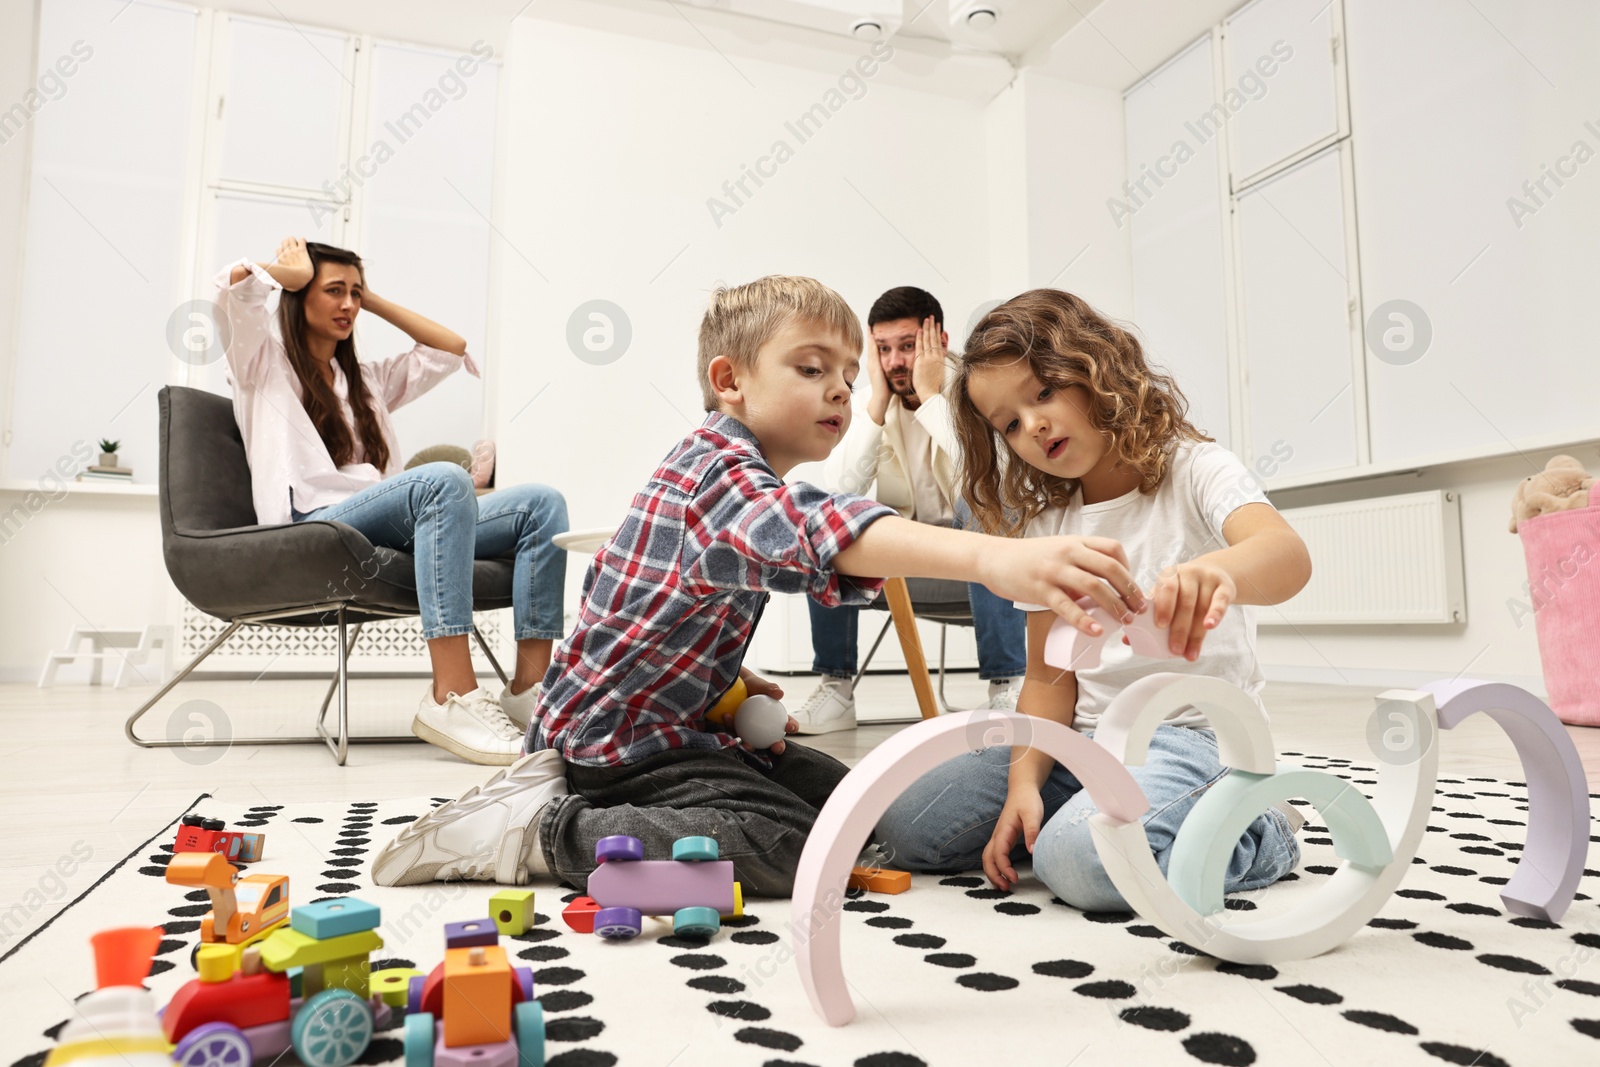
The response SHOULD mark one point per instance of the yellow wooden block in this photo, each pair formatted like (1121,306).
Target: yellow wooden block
(477,995)
(287,947)
(215,962)
(512,910)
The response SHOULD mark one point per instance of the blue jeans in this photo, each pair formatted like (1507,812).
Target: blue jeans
(433,512)
(1001,629)
(945,819)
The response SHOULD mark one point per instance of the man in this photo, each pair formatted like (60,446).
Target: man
(908,446)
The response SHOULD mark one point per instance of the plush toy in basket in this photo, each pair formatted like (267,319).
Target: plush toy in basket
(1558,519)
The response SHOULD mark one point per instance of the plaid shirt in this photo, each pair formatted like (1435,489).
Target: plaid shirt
(670,601)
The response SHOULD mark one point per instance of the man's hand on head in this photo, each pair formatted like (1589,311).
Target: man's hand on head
(878,403)
(927,372)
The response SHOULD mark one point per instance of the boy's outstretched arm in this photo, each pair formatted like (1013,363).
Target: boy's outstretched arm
(1036,570)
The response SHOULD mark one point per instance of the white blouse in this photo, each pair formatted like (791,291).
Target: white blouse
(288,461)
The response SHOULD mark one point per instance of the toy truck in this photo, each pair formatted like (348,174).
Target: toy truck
(232,1016)
(196,833)
(694,887)
(243,910)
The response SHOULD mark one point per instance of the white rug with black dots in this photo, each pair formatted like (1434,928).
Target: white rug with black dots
(951,972)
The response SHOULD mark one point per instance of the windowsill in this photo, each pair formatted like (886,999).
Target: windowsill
(95,487)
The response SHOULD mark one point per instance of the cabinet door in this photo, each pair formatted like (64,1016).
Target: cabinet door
(1281,93)
(1177,235)
(1296,334)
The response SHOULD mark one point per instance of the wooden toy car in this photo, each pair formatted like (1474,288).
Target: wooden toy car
(196,833)
(474,1008)
(233,1016)
(243,910)
(694,887)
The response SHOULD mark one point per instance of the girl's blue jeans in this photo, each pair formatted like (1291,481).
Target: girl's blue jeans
(433,512)
(945,819)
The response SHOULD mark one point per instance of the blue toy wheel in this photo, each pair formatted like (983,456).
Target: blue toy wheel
(618,847)
(696,922)
(695,849)
(332,1029)
(529,1019)
(618,924)
(414,993)
(525,981)
(213,1045)
(419,1039)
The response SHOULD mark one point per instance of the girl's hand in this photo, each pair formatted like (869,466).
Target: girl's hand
(878,402)
(1021,817)
(1191,598)
(292,264)
(927,371)
(1054,571)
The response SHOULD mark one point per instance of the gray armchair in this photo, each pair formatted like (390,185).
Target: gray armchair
(309,573)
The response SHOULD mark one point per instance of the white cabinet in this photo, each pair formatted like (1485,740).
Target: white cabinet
(1282,84)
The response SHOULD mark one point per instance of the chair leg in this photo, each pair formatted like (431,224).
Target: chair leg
(340,745)
(873,651)
(337,744)
(944,703)
(905,624)
(128,727)
(492,661)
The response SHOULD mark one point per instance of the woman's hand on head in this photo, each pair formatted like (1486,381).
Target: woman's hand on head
(292,264)
(1191,598)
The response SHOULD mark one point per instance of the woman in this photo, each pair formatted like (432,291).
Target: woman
(321,445)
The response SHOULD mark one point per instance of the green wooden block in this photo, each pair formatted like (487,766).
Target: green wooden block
(512,910)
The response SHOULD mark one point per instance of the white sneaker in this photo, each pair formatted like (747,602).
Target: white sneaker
(1003,693)
(472,726)
(519,707)
(489,833)
(831,706)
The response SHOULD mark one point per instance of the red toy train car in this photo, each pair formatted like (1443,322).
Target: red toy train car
(199,834)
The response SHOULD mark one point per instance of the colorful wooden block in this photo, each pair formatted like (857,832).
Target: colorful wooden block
(477,995)
(331,918)
(579,914)
(470,933)
(391,984)
(512,910)
(878,880)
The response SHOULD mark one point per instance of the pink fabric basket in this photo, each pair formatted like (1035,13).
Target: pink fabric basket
(1563,553)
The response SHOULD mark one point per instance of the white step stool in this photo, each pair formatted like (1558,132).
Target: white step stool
(127,648)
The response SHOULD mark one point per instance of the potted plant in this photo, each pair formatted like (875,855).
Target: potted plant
(108,452)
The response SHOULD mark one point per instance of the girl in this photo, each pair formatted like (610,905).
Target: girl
(1066,430)
(321,445)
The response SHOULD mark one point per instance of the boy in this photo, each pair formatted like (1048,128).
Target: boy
(620,743)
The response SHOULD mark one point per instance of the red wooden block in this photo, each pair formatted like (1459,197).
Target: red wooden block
(245,1000)
(579,915)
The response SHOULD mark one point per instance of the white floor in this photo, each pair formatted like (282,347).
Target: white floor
(77,796)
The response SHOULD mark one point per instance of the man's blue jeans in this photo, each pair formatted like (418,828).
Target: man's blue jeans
(1002,632)
(433,512)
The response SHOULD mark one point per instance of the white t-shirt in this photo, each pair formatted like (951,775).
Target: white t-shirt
(1182,519)
(929,503)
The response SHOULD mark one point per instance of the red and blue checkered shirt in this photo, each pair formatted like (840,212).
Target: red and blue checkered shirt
(671,599)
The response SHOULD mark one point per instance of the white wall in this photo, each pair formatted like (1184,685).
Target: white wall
(614,144)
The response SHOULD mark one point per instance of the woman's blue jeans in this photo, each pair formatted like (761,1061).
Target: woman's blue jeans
(945,819)
(433,512)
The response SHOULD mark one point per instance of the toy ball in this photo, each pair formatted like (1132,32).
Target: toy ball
(760,721)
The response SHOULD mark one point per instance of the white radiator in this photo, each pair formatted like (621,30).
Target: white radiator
(1391,559)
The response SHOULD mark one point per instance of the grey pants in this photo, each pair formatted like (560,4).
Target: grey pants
(759,819)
